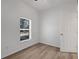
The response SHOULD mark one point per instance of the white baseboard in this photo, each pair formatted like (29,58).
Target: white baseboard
(51,44)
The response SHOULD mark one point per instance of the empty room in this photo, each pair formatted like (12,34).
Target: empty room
(39,29)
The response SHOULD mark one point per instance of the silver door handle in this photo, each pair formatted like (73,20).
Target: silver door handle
(61,34)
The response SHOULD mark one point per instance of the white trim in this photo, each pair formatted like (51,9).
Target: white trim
(24,29)
(30,28)
(25,18)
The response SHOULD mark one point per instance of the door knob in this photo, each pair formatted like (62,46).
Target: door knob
(61,34)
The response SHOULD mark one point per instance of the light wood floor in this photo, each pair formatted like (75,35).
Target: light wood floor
(42,51)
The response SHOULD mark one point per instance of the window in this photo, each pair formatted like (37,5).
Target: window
(25,29)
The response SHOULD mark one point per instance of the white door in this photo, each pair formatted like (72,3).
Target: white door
(69,29)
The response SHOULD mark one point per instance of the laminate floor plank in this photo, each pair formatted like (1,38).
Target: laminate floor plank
(42,51)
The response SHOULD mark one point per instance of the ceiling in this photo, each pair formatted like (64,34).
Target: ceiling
(46,4)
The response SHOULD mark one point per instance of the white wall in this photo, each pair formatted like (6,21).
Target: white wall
(12,10)
(50,26)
